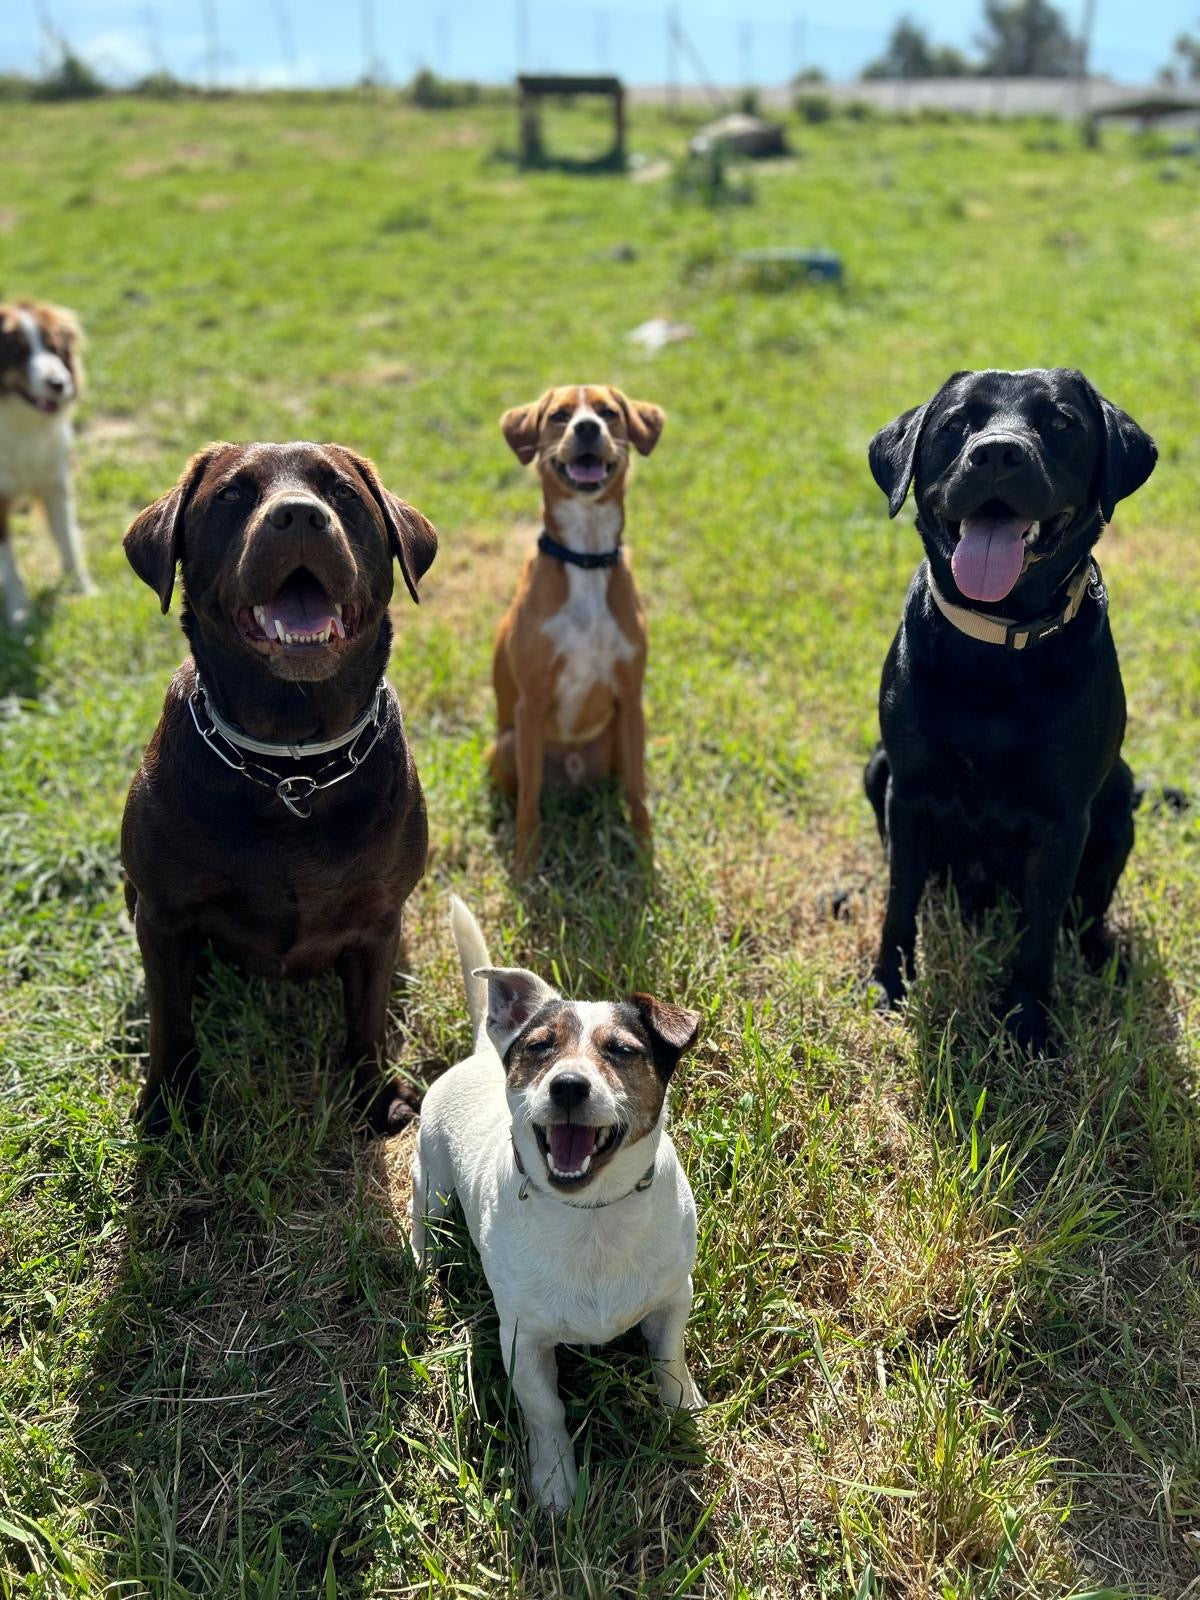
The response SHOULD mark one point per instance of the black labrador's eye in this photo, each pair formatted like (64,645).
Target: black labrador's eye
(345,491)
(956,422)
(560,416)
(1062,420)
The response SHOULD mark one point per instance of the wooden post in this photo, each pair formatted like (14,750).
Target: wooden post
(619,124)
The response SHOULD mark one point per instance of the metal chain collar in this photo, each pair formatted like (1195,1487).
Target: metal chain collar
(296,791)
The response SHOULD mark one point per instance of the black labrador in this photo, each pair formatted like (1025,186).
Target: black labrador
(277,813)
(1001,706)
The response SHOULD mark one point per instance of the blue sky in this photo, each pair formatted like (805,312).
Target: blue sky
(274,42)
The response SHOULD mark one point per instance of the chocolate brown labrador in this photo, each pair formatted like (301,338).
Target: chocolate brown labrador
(277,815)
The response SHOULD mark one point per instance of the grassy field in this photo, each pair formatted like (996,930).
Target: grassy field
(947,1301)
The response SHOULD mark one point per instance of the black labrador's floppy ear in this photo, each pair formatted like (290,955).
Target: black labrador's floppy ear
(514,995)
(154,539)
(1128,456)
(522,427)
(413,537)
(672,1030)
(892,454)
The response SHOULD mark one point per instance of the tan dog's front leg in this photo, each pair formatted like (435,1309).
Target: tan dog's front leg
(531,756)
(631,752)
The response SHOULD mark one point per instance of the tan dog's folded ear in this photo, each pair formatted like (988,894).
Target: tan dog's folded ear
(67,327)
(521,427)
(413,537)
(643,420)
(154,539)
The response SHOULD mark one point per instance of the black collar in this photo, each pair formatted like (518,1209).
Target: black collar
(578,558)
(643,1183)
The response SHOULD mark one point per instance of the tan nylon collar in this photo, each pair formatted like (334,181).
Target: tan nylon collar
(1020,635)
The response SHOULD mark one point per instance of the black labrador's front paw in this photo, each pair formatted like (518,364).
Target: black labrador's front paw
(1026,1022)
(887,987)
(1099,949)
(387,1108)
(158,1099)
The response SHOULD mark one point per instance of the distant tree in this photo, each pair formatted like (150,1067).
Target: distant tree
(1184,65)
(909,54)
(1027,39)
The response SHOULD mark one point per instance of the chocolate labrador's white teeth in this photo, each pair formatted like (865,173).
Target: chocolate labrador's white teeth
(338,609)
(260,616)
(279,631)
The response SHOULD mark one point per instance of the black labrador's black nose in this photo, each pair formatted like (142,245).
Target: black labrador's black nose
(587,430)
(298,516)
(569,1089)
(1002,452)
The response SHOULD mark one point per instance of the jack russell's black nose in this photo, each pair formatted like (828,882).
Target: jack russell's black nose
(587,430)
(569,1089)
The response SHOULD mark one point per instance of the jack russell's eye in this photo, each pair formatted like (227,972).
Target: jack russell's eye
(539,1043)
(560,416)
(623,1047)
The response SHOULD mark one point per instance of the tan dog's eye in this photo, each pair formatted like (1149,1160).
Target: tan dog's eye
(560,416)
(345,491)
(607,413)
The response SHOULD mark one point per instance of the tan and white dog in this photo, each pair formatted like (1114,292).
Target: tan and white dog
(41,376)
(571,649)
(553,1137)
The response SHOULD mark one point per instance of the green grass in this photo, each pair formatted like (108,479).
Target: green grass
(947,1306)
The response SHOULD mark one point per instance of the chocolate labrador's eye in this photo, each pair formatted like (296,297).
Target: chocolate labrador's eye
(346,491)
(230,494)
(560,416)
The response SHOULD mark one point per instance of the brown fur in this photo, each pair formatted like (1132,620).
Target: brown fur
(61,335)
(607,732)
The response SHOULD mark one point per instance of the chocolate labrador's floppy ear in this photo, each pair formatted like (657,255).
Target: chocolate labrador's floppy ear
(154,539)
(413,537)
(521,427)
(514,995)
(1127,459)
(644,421)
(672,1030)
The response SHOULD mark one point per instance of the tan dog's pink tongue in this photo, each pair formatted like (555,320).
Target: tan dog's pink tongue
(989,554)
(571,1145)
(591,471)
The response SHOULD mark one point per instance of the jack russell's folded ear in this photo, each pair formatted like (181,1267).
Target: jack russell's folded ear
(154,539)
(514,995)
(673,1031)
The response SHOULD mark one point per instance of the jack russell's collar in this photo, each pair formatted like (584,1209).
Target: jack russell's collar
(528,1185)
(1021,635)
(579,558)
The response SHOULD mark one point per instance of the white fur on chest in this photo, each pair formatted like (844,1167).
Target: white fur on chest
(35,449)
(584,633)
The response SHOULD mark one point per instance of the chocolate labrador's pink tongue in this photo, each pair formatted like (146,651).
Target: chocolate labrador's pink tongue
(988,557)
(588,469)
(571,1145)
(301,606)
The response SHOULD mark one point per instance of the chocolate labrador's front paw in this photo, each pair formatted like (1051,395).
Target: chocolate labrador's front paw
(386,1107)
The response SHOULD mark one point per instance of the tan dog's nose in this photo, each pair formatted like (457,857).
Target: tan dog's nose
(297,515)
(587,430)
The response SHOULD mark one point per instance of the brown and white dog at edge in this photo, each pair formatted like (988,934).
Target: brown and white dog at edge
(553,1138)
(570,652)
(277,815)
(41,378)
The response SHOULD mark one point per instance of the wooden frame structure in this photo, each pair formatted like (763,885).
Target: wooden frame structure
(533,88)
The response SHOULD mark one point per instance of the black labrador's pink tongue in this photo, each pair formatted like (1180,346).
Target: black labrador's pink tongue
(571,1144)
(301,606)
(989,555)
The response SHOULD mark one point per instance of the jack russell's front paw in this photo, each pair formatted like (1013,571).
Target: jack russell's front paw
(554,1477)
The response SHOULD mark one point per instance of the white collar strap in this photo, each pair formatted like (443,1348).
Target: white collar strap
(1012,635)
(297,752)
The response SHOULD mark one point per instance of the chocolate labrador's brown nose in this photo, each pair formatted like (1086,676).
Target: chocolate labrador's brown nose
(298,514)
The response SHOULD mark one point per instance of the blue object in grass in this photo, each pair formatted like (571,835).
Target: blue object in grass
(821,266)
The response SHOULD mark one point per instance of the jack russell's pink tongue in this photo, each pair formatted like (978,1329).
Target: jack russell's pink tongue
(588,470)
(571,1144)
(989,555)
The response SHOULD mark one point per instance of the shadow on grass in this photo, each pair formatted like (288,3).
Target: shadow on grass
(1098,1149)
(248,1367)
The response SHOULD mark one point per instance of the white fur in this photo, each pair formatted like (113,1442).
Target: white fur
(584,631)
(35,462)
(558,1273)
